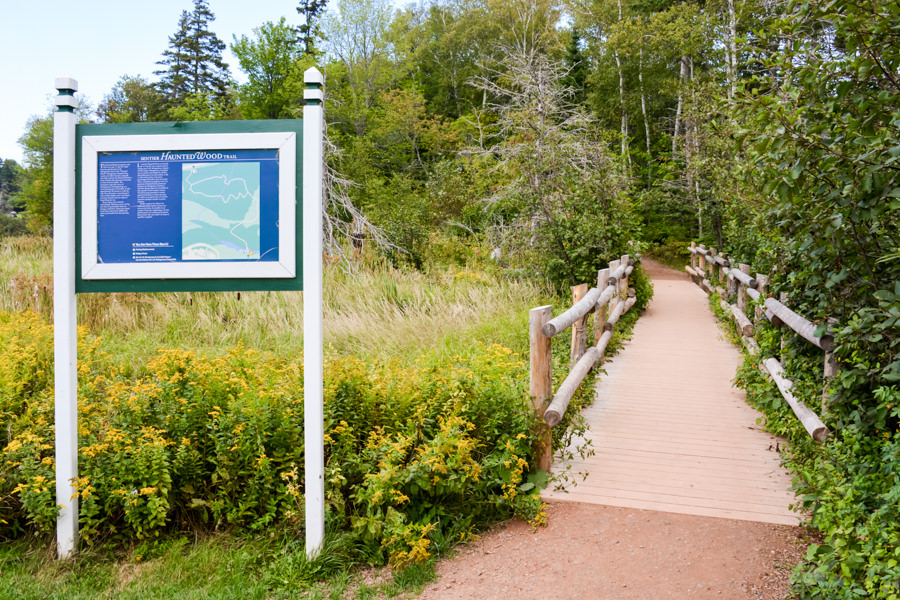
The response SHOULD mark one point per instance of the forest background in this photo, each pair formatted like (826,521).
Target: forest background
(561,135)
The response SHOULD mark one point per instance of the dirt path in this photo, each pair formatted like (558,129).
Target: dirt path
(597,552)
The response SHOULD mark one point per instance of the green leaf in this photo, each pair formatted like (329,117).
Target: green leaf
(885,295)
(539,478)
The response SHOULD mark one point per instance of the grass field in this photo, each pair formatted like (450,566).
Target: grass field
(371,311)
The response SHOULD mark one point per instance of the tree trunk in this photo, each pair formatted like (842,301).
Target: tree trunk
(732,50)
(682,78)
(625,153)
(622,106)
(644,111)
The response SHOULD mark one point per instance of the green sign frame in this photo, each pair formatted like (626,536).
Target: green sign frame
(193,284)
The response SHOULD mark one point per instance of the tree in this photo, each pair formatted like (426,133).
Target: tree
(36,194)
(358,37)
(132,100)
(576,74)
(274,71)
(820,126)
(311,29)
(193,61)
(37,184)
(10,184)
(563,192)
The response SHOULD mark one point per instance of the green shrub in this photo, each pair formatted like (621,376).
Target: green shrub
(12,226)
(413,453)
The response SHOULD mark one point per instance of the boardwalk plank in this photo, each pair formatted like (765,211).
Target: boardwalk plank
(668,429)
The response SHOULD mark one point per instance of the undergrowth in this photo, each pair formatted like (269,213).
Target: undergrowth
(216,442)
(848,487)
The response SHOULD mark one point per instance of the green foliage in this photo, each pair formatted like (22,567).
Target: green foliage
(36,195)
(202,106)
(577,67)
(12,226)
(818,125)
(10,183)
(204,443)
(848,485)
(274,71)
(673,254)
(132,100)
(824,142)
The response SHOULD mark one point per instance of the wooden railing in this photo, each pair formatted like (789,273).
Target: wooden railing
(608,301)
(710,270)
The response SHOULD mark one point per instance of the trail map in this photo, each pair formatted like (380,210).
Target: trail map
(220,211)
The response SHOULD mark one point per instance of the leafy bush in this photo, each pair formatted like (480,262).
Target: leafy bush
(848,485)
(12,226)
(199,442)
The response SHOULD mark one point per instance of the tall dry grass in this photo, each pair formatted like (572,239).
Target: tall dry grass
(372,311)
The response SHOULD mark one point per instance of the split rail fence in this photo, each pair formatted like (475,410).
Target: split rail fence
(608,301)
(710,271)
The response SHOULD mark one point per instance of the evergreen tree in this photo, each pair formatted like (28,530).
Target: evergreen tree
(577,67)
(173,79)
(193,62)
(310,31)
(10,174)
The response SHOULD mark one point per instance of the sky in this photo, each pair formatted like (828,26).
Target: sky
(96,42)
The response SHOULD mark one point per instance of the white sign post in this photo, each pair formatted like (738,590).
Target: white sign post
(313,362)
(66,279)
(65,339)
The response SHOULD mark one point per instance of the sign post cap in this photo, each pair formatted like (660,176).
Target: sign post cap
(313,75)
(66,83)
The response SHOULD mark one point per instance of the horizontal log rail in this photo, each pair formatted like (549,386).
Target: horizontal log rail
(810,420)
(804,327)
(743,278)
(607,302)
(708,266)
(580,309)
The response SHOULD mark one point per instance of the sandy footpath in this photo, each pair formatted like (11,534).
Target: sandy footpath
(595,552)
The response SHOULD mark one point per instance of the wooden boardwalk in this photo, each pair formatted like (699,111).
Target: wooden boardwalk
(669,431)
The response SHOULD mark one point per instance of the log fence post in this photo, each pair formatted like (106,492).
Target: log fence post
(579,328)
(742,289)
(613,265)
(731,284)
(829,372)
(783,298)
(541,384)
(601,312)
(762,287)
(713,266)
(693,255)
